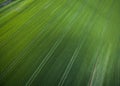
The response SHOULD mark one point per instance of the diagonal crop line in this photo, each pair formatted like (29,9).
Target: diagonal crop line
(95,67)
(70,64)
(45,60)
(33,33)
(93,82)
(34,75)
(39,68)
(97,54)
(18,59)
(2,9)
(14,12)
(107,54)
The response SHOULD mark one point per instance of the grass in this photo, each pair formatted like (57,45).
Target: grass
(1,1)
(60,43)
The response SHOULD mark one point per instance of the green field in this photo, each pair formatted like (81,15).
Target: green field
(60,43)
(1,1)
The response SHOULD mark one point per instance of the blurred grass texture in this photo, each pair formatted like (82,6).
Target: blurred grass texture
(60,43)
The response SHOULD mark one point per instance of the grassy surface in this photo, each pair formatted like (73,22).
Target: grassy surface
(1,1)
(60,43)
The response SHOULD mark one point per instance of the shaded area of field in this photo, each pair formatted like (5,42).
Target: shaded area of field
(60,43)
(5,2)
